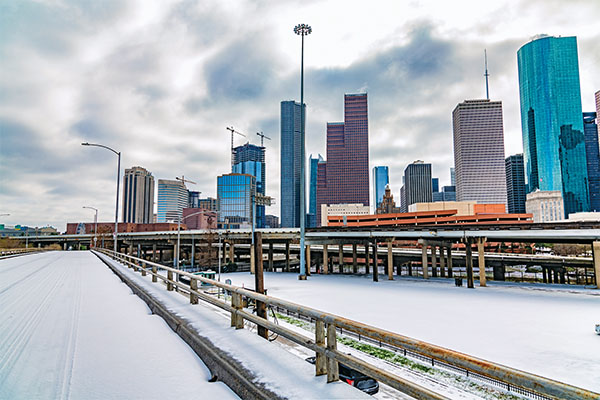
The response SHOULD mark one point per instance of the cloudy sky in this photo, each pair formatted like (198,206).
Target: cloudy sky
(160,80)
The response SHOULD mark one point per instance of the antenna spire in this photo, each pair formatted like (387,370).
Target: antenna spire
(486,74)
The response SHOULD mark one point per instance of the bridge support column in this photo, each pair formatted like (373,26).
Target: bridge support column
(390,262)
(65,246)
(434,261)
(367,258)
(469,264)
(375,262)
(287,256)
(325,260)
(354,261)
(231,252)
(341,259)
(596,258)
(307,258)
(449,251)
(154,252)
(544,274)
(130,251)
(481,260)
(270,257)
(443,261)
(424,259)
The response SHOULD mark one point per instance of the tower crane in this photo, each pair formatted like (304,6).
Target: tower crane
(262,137)
(183,180)
(230,128)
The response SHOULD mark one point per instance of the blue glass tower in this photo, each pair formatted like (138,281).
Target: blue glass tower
(311,218)
(553,139)
(290,163)
(381,178)
(234,199)
(250,159)
(590,129)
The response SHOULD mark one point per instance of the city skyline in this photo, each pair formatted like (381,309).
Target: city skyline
(130,77)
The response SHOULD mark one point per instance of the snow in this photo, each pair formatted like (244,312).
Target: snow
(70,329)
(542,329)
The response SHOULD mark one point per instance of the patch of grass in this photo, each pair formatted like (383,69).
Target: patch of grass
(294,321)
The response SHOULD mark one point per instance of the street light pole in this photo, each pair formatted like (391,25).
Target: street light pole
(95,224)
(176,258)
(302,30)
(118,153)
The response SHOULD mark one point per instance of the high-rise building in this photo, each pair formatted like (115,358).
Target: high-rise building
(553,139)
(592,150)
(417,183)
(172,199)
(452,177)
(515,184)
(311,218)
(138,196)
(381,178)
(435,185)
(271,221)
(546,206)
(250,159)
(208,203)
(193,199)
(344,177)
(234,199)
(291,162)
(479,151)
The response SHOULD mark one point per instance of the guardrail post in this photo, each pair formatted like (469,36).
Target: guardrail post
(320,360)
(143,269)
(333,373)
(259,282)
(169,280)
(154,272)
(237,321)
(194,287)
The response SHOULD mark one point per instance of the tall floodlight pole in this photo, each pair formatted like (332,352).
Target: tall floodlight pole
(95,223)
(302,30)
(118,153)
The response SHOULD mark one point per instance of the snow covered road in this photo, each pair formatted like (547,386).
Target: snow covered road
(70,329)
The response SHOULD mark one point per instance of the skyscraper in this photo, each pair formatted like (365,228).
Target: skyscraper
(138,196)
(381,179)
(553,139)
(452,177)
(193,199)
(172,199)
(345,175)
(250,159)
(479,151)
(234,199)
(417,183)
(312,207)
(590,130)
(290,163)
(515,184)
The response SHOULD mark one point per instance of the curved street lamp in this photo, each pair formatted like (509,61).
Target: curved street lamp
(176,258)
(302,30)
(95,223)
(118,153)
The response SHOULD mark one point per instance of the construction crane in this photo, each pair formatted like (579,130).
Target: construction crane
(262,137)
(230,128)
(183,180)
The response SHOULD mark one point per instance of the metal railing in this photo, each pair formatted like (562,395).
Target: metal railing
(13,252)
(327,326)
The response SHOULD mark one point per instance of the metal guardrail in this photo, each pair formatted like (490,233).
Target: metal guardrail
(14,252)
(327,326)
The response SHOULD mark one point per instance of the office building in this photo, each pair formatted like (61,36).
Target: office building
(553,139)
(452,177)
(342,210)
(592,150)
(460,208)
(403,205)
(417,183)
(515,184)
(199,218)
(193,199)
(479,151)
(172,199)
(448,193)
(381,179)
(271,221)
(435,185)
(291,162)
(250,159)
(234,199)
(344,177)
(138,196)
(545,206)
(208,203)
(311,217)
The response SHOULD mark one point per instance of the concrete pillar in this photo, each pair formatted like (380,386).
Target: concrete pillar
(287,256)
(231,252)
(442,261)
(65,246)
(354,261)
(154,252)
(341,258)
(481,260)
(449,250)
(544,274)
(375,263)
(325,260)
(469,262)
(390,262)
(307,259)
(139,250)
(271,257)
(434,261)
(130,252)
(367,258)
(424,259)
(596,258)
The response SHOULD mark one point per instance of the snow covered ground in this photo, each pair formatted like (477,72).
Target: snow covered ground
(70,329)
(542,329)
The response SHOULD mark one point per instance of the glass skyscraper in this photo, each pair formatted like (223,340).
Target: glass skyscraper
(553,138)
(234,199)
(381,178)
(515,184)
(172,199)
(590,130)
(250,159)
(290,163)
(311,218)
